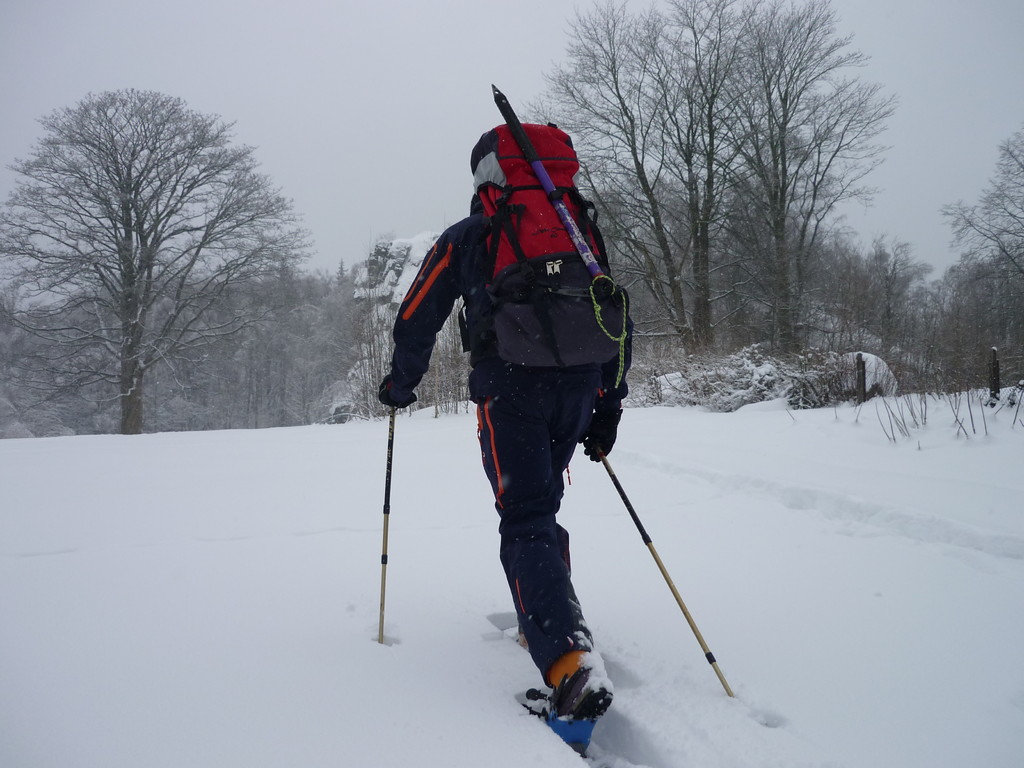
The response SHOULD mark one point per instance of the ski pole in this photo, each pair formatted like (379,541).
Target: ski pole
(668,579)
(387,516)
(530,153)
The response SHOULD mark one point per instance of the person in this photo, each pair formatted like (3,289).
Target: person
(530,420)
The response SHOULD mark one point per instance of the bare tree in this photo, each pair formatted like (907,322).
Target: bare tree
(607,98)
(894,274)
(132,218)
(719,119)
(864,301)
(994,228)
(991,270)
(807,140)
(698,56)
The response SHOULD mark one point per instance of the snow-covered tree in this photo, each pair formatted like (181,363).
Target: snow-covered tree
(131,220)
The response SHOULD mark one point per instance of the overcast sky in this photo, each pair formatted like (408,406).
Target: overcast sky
(364,113)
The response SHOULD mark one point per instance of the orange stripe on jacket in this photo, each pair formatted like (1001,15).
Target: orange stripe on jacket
(421,287)
(422,270)
(494,450)
(519,596)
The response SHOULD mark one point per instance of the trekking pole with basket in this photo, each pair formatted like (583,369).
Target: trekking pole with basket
(668,579)
(387,516)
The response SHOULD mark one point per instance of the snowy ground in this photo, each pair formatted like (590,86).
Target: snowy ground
(211,599)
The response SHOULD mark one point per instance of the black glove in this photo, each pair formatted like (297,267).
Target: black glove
(387,398)
(600,435)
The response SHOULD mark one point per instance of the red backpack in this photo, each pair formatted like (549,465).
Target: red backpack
(545,309)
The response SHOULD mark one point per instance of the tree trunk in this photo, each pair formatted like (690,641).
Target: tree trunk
(784,330)
(703,335)
(131,398)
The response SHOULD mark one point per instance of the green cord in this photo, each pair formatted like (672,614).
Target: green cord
(621,338)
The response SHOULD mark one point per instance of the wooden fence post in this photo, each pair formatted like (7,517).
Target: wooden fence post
(993,377)
(862,378)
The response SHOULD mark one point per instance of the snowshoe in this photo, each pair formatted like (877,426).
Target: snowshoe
(573,707)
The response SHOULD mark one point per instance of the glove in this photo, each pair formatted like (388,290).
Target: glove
(386,397)
(600,435)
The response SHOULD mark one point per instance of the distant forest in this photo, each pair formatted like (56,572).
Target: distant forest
(153,279)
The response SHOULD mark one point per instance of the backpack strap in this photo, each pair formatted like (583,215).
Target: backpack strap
(504,223)
(501,222)
(588,216)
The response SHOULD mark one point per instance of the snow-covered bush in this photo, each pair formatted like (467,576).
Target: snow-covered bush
(816,379)
(715,382)
(725,383)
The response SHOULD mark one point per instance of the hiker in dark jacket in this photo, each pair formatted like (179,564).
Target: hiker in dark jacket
(530,421)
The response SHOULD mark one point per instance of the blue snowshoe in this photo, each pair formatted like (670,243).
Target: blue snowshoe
(573,707)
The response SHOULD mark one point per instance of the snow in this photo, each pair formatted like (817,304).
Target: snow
(212,599)
(416,249)
(399,268)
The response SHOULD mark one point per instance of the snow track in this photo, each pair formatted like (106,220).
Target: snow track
(861,515)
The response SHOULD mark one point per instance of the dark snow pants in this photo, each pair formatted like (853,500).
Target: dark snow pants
(530,421)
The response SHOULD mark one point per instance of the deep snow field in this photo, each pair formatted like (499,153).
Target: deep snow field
(211,600)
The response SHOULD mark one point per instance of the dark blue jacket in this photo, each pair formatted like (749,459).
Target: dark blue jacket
(454,268)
